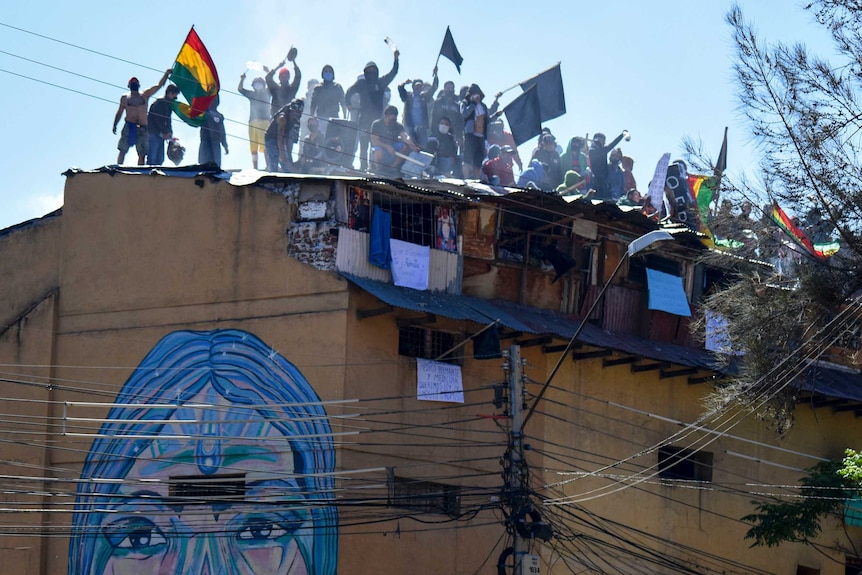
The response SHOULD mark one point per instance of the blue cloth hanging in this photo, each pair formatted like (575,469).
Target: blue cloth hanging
(380,254)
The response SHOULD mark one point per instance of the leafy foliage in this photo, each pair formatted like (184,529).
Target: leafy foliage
(822,495)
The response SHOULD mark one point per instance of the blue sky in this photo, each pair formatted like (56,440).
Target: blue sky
(661,69)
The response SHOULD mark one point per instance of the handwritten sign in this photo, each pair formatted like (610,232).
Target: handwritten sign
(666,293)
(438,381)
(410,263)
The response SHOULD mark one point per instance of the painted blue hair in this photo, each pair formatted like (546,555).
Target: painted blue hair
(243,370)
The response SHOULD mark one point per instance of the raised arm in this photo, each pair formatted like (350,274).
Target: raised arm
(153,89)
(387,79)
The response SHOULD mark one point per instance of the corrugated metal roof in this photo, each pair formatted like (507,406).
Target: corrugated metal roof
(531,320)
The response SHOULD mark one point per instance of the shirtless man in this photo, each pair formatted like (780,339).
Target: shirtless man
(134,132)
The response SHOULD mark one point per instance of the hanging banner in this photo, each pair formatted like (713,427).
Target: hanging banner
(410,263)
(666,293)
(438,381)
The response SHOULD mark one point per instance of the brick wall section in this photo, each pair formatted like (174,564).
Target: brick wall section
(313,243)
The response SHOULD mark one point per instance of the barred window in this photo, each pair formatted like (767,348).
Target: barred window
(428,344)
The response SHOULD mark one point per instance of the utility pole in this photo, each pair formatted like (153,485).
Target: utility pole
(517,480)
(523,521)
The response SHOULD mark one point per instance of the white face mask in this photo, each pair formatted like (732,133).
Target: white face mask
(444,129)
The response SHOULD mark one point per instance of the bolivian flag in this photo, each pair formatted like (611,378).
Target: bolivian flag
(702,188)
(792,230)
(196,76)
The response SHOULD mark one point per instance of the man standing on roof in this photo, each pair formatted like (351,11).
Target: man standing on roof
(134,132)
(369,89)
(160,127)
(284,91)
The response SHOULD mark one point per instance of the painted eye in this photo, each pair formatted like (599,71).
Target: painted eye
(261,531)
(135,535)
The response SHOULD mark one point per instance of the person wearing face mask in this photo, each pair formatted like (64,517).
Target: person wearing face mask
(327,99)
(447,148)
(134,132)
(370,89)
(448,104)
(258,116)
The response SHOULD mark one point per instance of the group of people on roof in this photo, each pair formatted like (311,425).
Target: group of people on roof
(435,133)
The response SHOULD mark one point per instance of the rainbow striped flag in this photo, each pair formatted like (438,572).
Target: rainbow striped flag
(792,230)
(196,76)
(702,188)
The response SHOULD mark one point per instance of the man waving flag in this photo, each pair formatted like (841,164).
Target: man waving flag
(196,76)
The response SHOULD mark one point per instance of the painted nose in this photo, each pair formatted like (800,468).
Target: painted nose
(203,555)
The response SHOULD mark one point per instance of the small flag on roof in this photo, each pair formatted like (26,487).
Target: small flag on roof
(196,76)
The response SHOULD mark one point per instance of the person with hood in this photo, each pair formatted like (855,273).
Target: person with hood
(417,104)
(258,115)
(281,135)
(283,91)
(476,117)
(616,176)
(327,99)
(369,90)
(213,137)
(575,158)
(572,184)
(532,176)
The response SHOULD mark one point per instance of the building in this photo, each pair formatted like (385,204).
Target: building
(204,369)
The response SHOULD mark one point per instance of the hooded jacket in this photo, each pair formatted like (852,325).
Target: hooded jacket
(533,174)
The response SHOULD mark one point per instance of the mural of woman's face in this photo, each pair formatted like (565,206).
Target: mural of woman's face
(150,530)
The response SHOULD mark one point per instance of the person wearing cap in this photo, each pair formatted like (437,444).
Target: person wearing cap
(159,124)
(476,119)
(258,115)
(284,91)
(134,105)
(498,169)
(369,90)
(547,155)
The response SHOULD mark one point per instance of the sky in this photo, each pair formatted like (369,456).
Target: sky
(660,69)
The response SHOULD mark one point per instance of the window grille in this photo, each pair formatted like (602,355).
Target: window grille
(425,496)
(428,344)
(412,221)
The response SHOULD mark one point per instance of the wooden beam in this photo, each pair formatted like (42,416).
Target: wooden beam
(702,379)
(576,355)
(366,313)
(620,361)
(666,373)
(411,321)
(553,348)
(511,335)
(850,407)
(648,366)
(535,341)
(818,403)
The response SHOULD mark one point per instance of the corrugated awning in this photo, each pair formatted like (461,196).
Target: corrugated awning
(531,320)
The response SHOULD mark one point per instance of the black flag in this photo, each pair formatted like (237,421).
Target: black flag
(524,116)
(450,51)
(552,101)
